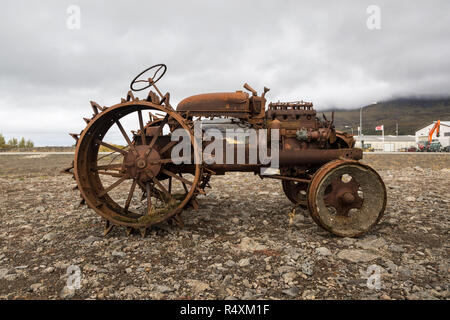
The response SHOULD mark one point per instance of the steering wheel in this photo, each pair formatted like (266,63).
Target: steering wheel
(151,80)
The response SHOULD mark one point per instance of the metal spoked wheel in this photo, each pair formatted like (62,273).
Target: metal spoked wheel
(346,198)
(110,183)
(296,192)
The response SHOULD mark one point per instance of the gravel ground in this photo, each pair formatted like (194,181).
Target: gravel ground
(241,244)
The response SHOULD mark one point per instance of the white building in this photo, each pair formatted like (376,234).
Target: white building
(444,137)
(390,143)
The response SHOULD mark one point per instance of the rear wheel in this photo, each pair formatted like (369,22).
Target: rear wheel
(110,182)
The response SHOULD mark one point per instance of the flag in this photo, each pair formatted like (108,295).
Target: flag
(379,128)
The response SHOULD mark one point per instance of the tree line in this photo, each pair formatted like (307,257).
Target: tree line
(15,143)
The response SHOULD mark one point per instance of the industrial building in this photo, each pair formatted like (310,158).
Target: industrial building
(388,143)
(444,137)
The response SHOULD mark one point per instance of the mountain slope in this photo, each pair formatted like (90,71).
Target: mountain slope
(410,114)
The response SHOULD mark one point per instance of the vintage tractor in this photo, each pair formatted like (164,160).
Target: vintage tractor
(318,166)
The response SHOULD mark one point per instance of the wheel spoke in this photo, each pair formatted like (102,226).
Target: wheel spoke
(161,186)
(130,195)
(114,166)
(111,147)
(125,134)
(161,161)
(115,184)
(173,175)
(141,125)
(110,154)
(158,132)
(112,174)
(167,147)
(183,182)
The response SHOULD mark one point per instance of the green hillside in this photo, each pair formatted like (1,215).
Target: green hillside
(410,114)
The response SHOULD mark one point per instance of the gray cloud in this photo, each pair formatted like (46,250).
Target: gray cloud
(322,52)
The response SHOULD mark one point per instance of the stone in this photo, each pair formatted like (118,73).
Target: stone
(248,244)
(323,251)
(49,270)
(285,269)
(371,243)
(89,267)
(198,286)
(291,292)
(396,248)
(230,263)
(244,262)
(405,271)
(39,209)
(132,290)
(49,237)
(355,255)
(410,199)
(307,268)
(163,289)
(308,295)
(3,272)
(67,293)
(36,287)
(289,277)
(90,240)
(119,254)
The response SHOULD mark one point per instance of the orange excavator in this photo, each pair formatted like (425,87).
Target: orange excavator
(431,146)
(437,128)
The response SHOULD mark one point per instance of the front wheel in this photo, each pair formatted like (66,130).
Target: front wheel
(346,198)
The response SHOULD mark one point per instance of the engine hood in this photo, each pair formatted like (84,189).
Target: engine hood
(216,103)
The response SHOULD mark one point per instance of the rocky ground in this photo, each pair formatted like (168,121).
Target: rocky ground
(243,243)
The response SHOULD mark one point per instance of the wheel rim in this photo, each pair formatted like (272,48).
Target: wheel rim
(143,163)
(347,198)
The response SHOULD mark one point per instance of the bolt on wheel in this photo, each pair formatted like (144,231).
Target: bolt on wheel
(346,198)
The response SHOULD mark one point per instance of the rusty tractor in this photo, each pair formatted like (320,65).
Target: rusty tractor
(319,168)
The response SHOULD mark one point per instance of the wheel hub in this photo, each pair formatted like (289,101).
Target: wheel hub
(142,163)
(343,196)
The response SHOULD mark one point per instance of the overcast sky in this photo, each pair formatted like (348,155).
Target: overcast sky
(319,51)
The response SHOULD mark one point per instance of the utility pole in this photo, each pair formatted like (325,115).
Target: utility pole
(360,126)
(350,128)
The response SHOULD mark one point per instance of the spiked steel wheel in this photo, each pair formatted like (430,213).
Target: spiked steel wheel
(346,197)
(144,163)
